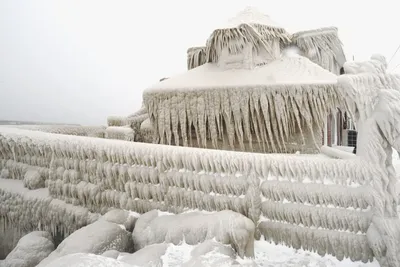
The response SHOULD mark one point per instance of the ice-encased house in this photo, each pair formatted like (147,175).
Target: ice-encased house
(244,92)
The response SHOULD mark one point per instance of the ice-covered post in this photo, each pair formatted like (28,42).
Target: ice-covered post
(372,97)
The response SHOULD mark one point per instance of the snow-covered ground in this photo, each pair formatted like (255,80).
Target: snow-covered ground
(269,255)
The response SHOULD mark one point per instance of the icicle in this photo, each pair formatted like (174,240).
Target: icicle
(264,104)
(237,116)
(227,117)
(279,108)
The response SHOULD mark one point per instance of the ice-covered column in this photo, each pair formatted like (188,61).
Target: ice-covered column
(373,98)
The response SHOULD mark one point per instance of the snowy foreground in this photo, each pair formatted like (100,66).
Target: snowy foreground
(267,255)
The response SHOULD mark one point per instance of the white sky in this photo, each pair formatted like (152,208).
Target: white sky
(79,61)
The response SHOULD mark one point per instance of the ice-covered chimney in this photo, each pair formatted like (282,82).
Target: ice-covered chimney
(248,40)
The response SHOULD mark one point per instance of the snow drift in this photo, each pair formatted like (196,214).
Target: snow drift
(195,227)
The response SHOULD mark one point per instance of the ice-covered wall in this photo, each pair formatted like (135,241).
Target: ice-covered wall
(319,204)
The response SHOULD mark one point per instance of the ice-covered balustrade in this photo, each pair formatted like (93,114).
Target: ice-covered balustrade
(322,46)
(248,40)
(92,131)
(320,204)
(127,128)
(136,119)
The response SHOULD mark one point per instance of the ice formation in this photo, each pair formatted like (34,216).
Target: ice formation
(87,260)
(264,109)
(95,238)
(196,57)
(29,210)
(136,119)
(329,198)
(211,253)
(321,46)
(148,256)
(249,31)
(377,64)
(225,226)
(373,99)
(117,121)
(91,131)
(122,217)
(30,250)
(122,133)
(246,96)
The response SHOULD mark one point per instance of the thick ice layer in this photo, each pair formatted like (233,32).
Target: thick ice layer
(30,250)
(226,226)
(248,27)
(339,244)
(120,132)
(266,105)
(322,46)
(95,238)
(196,56)
(116,121)
(92,131)
(31,210)
(332,194)
(318,217)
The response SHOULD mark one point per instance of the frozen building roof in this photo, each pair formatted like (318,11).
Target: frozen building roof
(293,70)
(322,46)
(248,28)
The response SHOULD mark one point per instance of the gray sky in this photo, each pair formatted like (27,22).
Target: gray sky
(79,61)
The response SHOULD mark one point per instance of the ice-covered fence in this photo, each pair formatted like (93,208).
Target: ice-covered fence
(116,121)
(91,131)
(319,204)
(23,211)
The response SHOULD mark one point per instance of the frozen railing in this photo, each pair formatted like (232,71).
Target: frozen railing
(91,131)
(319,204)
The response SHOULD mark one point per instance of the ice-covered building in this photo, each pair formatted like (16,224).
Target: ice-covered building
(243,92)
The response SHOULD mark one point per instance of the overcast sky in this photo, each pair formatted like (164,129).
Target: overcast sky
(79,61)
